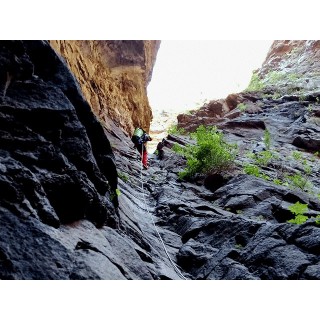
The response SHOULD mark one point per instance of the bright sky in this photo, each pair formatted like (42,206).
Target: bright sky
(188,71)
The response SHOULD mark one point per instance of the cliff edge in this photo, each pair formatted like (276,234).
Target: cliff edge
(113,75)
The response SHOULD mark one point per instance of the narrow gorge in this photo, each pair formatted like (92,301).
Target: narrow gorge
(76,203)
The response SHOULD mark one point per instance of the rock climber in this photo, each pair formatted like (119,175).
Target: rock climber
(140,139)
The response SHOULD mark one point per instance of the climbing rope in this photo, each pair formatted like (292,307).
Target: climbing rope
(153,222)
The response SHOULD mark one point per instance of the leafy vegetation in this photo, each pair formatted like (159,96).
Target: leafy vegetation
(267,139)
(254,170)
(173,129)
(296,155)
(242,107)
(210,153)
(277,181)
(255,83)
(251,169)
(263,158)
(273,78)
(299,181)
(294,181)
(298,209)
(123,176)
(114,194)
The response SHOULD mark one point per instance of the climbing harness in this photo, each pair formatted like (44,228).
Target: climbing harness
(155,227)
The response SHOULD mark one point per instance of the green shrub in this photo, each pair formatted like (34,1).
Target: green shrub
(274,77)
(210,153)
(306,167)
(123,176)
(264,177)
(298,209)
(173,129)
(296,155)
(267,139)
(242,107)
(254,170)
(299,181)
(255,83)
(263,158)
(114,194)
(278,182)
(251,169)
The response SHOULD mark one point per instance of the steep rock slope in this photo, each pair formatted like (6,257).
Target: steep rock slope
(113,76)
(265,244)
(291,67)
(254,239)
(59,216)
(232,226)
(57,165)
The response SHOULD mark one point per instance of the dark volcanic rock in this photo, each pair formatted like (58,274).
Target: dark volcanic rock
(59,209)
(243,232)
(61,219)
(308,139)
(52,145)
(57,165)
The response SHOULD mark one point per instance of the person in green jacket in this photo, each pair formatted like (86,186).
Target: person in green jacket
(140,138)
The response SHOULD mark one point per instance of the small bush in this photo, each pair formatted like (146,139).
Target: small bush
(299,181)
(263,158)
(251,169)
(278,182)
(298,209)
(255,83)
(267,139)
(274,77)
(296,155)
(254,170)
(210,153)
(173,129)
(242,107)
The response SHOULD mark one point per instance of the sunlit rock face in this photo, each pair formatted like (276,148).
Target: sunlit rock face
(292,66)
(218,111)
(113,76)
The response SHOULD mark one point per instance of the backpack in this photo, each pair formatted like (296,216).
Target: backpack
(137,136)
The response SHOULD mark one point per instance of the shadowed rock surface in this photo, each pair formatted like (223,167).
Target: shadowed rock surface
(57,178)
(59,170)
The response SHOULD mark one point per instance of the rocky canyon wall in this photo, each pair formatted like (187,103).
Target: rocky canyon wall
(113,75)
(61,172)
(292,67)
